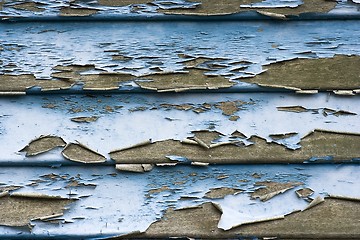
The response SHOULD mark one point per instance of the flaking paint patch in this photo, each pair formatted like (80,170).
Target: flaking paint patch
(30,6)
(271,189)
(324,221)
(194,79)
(214,7)
(12,84)
(319,143)
(101,81)
(221,192)
(77,12)
(324,111)
(340,72)
(19,209)
(85,119)
(43,144)
(78,152)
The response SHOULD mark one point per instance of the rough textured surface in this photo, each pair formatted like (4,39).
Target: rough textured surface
(18,211)
(327,220)
(339,72)
(318,146)
(215,7)
(43,144)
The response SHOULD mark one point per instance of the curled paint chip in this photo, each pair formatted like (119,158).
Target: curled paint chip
(272,189)
(78,152)
(282,135)
(139,168)
(5,190)
(272,15)
(314,203)
(221,192)
(297,109)
(304,192)
(43,144)
(85,119)
(141,144)
(344,197)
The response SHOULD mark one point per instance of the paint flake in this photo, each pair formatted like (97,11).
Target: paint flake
(304,192)
(85,119)
(194,79)
(138,168)
(272,189)
(43,144)
(221,192)
(314,203)
(325,111)
(282,135)
(30,6)
(78,152)
(77,12)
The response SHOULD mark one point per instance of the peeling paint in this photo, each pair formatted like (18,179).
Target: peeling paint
(340,72)
(304,192)
(19,209)
(78,152)
(211,7)
(271,189)
(194,79)
(138,168)
(85,119)
(318,144)
(215,193)
(43,144)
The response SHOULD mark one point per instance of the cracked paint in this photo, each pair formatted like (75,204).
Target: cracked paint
(160,190)
(115,116)
(151,64)
(159,7)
